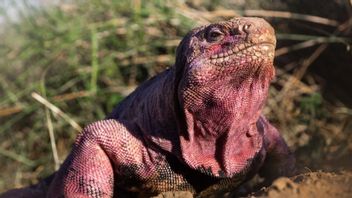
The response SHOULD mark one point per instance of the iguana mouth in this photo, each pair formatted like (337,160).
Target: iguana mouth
(257,51)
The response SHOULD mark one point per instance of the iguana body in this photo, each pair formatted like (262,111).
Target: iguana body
(195,125)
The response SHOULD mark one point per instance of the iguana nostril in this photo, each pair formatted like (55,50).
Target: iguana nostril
(246,28)
(240,30)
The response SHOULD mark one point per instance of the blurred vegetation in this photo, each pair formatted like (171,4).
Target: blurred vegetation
(68,63)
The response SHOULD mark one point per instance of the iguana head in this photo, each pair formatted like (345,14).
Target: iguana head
(223,71)
(227,48)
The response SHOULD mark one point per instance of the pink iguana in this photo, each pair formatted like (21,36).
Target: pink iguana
(195,125)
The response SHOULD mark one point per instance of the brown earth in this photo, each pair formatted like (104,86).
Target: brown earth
(313,184)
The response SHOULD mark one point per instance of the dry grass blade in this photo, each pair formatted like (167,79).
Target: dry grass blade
(302,45)
(71,96)
(10,110)
(52,138)
(271,13)
(50,123)
(57,111)
(295,79)
(290,15)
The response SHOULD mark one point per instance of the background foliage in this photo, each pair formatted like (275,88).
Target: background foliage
(65,64)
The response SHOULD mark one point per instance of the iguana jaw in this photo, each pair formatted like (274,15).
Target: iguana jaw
(229,56)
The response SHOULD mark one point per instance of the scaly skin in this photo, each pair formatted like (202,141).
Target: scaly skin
(195,125)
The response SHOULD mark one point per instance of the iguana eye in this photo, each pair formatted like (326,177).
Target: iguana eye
(214,35)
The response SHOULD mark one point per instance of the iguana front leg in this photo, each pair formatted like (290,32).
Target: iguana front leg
(279,160)
(88,170)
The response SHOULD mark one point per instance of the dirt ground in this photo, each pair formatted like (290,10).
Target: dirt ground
(313,184)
